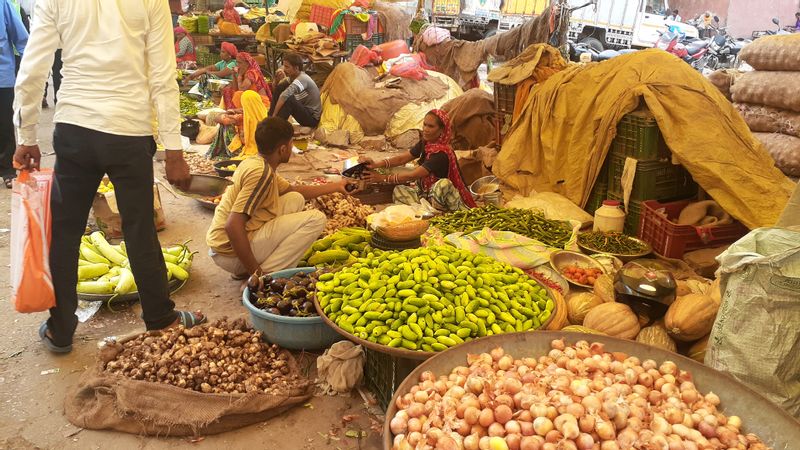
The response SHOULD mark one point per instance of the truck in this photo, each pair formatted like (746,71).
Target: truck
(480,18)
(616,24)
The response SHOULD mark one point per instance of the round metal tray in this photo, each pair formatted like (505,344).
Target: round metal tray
(401,352)
(563,258)
(769,422)
(174,286)
(625,258)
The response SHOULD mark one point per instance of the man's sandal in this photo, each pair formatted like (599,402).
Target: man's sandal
(48,342)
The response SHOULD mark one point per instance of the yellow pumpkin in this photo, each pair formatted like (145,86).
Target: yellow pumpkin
(604,288)
(657,336)
(578,305)
(559,315)
(698,350)
(613,319)
(691,317)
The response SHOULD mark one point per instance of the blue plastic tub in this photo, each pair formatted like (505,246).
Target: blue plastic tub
(293,333)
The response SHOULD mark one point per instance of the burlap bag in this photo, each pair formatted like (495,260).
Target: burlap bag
(341,367)
(776,89)
(767,119)
(779,52)
(785,150)
(102,401)
(723,79)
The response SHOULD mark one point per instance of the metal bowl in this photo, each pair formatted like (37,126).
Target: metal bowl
(478,184)
(217,85)
(773,425)
(220,167)
(545,272)
(206,204)
(203,186)
(625,258)
(561,259)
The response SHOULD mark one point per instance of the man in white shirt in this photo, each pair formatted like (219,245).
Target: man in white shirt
(119,68)
(675,16)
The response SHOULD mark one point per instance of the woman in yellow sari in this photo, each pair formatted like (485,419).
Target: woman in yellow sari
(253,112)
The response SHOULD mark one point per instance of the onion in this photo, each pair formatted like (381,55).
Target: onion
(735,422)
(486,418)
(497,443)
(471,442)
(497,353)
(530,443)
(512,386)
(605,430)
(542,426)
(513,427)
(513,441)
(471,415)
(497,429)
(398,425)
(504,400)
(421,397)
(415,410)
(609,445)
(553,436)
(414,424)
(475,385)
(414,438)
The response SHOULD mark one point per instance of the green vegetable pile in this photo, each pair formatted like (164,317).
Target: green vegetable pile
(430,299)
(526,222)
(610,242)
(190,107)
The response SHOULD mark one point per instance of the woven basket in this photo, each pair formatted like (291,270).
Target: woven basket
(405,231)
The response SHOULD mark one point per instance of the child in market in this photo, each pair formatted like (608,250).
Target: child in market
(259,225)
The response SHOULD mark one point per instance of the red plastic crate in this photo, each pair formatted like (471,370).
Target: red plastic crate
(353,26)
(321,15)
(672,240)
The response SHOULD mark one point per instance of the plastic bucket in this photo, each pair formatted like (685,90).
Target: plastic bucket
(293,333)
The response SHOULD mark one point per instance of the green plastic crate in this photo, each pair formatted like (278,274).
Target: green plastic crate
(598,195)
(655,180)
(633,216)
(354,40)
(638,136)
(206,56)
(383,374)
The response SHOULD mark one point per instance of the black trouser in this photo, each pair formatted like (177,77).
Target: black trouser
(292,107)
(57,64)
(83,156)
(7,141)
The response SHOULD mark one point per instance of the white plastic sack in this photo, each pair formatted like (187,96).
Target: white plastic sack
(435,36)
(756,337)
(554,207)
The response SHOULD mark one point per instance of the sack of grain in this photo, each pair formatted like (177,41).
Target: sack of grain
(723,79)
(777,89)
(779,52)
(767,119)
(785,150)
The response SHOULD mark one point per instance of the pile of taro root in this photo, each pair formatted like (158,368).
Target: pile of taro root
(222,357)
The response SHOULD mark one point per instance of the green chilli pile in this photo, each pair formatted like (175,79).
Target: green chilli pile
(526,222)
(430,299)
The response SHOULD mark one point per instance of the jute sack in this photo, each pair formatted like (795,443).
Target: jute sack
(767,119)
(777,89)
(785,150)
(779,52)
(102,401)
(723,79)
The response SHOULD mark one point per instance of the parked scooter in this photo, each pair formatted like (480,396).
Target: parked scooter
(692,52)
(576,49)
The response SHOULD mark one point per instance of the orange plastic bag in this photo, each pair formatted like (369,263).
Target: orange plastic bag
(31,283)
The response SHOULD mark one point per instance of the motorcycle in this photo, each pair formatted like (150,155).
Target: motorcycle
(576,49)
(779,30)
(690,51)
(723,52)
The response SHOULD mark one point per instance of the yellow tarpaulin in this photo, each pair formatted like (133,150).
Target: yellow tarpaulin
(561,139)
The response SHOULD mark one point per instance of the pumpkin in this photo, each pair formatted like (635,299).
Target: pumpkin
(691,317)
(604,288)
(613,319)
(698,350)
(657,336)
(559,315)
(580,329)
(579,304)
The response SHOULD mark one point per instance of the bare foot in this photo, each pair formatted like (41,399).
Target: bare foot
(199,318)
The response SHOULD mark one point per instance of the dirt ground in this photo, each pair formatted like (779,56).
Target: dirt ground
(32,396)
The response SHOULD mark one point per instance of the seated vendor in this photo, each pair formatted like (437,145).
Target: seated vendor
(248,78)
(259,225)
(297,95)
(438,177)
(184,49)
(223,69)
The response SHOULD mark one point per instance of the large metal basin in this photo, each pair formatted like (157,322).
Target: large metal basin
(774,426)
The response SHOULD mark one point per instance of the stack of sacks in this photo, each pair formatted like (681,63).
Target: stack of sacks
(769,97)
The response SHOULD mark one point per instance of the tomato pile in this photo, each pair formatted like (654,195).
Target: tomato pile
(582,275)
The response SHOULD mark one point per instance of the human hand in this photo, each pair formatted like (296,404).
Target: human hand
(27,157)
(373,177)
(368,161)
(177,170)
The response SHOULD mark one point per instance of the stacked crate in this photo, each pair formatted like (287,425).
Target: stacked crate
(504,97)
(656,177)
(355,30)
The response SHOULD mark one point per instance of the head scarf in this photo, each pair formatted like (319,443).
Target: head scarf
(230,14)
(254,75)
(254,112)
(230,49)
(442,145)
(180,30)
